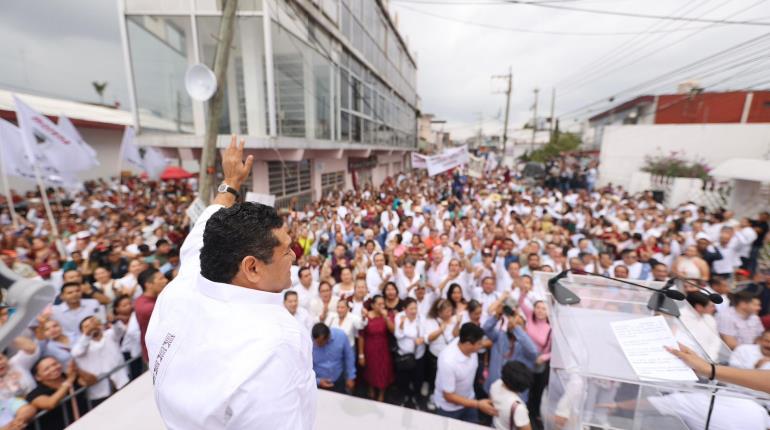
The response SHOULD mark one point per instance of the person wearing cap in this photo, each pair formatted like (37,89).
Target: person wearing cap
(221,324)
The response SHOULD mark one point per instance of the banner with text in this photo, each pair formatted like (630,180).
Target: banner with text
(418,161)
(448,159)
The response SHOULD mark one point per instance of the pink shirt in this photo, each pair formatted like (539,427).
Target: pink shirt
(538,331)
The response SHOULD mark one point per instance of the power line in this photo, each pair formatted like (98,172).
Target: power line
(656,80)
(550,5)
(608,57)
(635,15)
(668,45)
(529,31)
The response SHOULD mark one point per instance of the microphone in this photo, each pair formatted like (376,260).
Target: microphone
(559,292)
(666,290)
(672,294)
(713,297)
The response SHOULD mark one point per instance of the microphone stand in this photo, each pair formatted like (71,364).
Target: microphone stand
(660,301)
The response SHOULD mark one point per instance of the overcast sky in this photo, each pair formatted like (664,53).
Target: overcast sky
(59,47)
(456,61)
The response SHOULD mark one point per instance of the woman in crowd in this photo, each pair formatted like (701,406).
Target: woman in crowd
(393,303)
(410,353)
(53,342)
(359,298)
(323,305)
(439,332)
(346,287)
(346,321)
(52,386)
(539,330)
(374,349)
(455,296)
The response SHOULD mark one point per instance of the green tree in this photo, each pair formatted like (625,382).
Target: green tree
(560,143)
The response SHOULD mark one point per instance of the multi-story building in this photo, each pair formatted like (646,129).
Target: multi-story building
(323,91)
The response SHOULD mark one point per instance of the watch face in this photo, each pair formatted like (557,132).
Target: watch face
(222,188)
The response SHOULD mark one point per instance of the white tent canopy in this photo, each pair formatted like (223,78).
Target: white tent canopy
(744,168)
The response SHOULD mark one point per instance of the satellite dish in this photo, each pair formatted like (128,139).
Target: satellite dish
(200,82)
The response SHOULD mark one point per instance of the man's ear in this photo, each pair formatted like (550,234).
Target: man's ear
(251,269)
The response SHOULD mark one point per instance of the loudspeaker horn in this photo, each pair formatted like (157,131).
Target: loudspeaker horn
(200,82)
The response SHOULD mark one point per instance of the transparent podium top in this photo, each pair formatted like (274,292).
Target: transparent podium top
(591,376)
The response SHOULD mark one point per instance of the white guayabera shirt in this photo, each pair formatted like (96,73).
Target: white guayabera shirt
(227,357)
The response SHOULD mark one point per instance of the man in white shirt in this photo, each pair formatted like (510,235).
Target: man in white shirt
(753,356)
(73,309)
(740,324)
(291,303)
(306,288)
(700,321)
(98,352)
(454,395)
(224,352)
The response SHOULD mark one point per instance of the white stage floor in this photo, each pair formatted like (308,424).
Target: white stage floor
(133,407)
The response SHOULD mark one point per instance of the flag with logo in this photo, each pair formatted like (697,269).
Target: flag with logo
(18,162)
(147,159)
(50,147)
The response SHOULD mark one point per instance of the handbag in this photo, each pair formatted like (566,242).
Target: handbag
(511,424)
(406,362)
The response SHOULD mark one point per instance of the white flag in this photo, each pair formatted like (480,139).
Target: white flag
(47,142)
(17,162)
(66,126)
(147,159)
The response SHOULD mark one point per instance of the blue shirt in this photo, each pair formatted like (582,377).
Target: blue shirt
(330,360)
(524,349)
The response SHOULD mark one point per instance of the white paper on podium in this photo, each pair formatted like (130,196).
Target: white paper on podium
(642,341)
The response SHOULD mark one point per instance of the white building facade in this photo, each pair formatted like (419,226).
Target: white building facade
(322,91)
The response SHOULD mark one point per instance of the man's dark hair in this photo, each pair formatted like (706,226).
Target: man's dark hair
(516,376)
(80,326)
(161,242)
(146,276)
(234,233)
(143,248)
(471,333)
(302,270)
(320,331)
(288,294)
(697,298)
(742,297)
(69,284)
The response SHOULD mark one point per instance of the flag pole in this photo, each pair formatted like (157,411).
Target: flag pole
(8,196)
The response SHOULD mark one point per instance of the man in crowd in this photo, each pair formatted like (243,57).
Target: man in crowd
(454,395)
(152,283)
(740,324)
(334,362)
(291,303)
(75,309)
(753,356)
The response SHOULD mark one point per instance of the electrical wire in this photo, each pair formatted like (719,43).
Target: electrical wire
(531,31)
(666,46)
(731,50)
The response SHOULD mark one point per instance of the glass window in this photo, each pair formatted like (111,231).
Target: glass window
(344,89)
(344,127)
(159,59)
(355,129)
(323,117)
(356,94)
(245,89)
(289,62)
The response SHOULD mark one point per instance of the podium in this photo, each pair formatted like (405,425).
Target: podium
(590,376)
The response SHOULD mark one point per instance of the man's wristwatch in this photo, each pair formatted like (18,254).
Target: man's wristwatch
(224,188)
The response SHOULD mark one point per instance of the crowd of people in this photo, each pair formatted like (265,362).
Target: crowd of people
(417,292)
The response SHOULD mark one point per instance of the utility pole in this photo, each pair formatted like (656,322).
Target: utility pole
(534,119)
(552,121)
(508,91)
(480,137)
(221,60)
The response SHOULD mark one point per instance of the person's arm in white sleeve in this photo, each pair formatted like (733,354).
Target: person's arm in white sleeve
(81,346)
(29,353)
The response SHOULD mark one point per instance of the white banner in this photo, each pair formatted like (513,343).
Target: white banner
(476,166)
(16,160)
(146,159)
(449,159)
(418,161)
(49,145)
(66,126)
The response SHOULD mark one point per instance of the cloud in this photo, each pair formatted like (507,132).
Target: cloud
(456,61)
